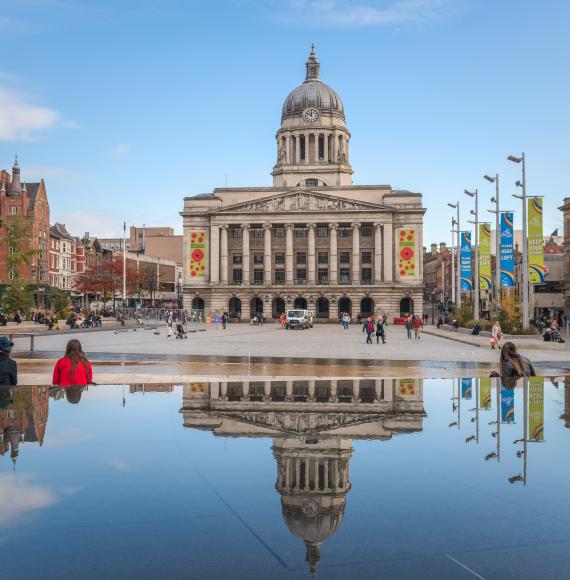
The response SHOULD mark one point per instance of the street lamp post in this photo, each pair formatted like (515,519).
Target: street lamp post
(524,283)
(458,250)
(497,213)
(452,261)
(475,194)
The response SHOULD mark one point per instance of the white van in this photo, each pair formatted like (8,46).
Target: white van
(299,318)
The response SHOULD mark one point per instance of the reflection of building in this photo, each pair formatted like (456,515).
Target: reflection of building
(312,240)
(566,414)
(152,388)
(24,419)
(312,424)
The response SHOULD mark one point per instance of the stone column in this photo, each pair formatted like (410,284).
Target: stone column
(326,147)
(389,390)
(224,256)
(316,147)
(214,254)
(307,140)
(334,147)
(377,389)
(355,254)
(224,390)
(267,390)
(245,389)
(311,262)
(297,149)
(334,387)
(326,478)
(267,254)
(289,254)
(377,254)
(333,255)
(245,253)
(388,250)
(312,389)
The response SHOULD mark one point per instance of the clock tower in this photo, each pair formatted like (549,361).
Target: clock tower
(312,142)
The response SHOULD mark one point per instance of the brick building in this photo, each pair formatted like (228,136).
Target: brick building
(438,276)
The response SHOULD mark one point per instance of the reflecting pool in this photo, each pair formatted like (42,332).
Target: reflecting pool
(384,478)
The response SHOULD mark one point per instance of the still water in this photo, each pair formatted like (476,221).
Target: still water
(409,478)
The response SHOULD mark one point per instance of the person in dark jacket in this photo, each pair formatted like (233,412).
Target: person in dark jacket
(8,366)
(512,364)
(380,333)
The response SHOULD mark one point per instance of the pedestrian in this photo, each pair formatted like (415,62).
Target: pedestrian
(345,321)
(512,364)
(496,335)
(439,322)
(409,327)
(224,320)
(369,330)
(385,320)
(380,332)
(169,327)
(73,368)
(18,318)
(8,366)
(417,325)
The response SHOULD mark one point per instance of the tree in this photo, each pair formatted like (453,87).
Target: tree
(59,301)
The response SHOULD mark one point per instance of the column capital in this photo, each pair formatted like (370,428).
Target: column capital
(224,226)
(333,226)
(267,226)
(355,225)
(312,226)
(378,225)
(289,226)
(245,226)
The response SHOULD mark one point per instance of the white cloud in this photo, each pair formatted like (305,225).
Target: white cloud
(120,466)
(101,224)
(347,13)
(22,120)
(69,124)
(20,495)
(121,149)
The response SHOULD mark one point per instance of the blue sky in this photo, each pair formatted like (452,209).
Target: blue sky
(125,106)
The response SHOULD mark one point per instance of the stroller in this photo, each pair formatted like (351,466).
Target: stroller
(180,332)
(555,336)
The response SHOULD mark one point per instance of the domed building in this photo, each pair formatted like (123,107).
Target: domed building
(313,239)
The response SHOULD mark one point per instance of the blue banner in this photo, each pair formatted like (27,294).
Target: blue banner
(466,388)
(507,261)
(466,271)
(507,405)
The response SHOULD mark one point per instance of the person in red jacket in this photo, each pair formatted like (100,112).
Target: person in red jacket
(74,368)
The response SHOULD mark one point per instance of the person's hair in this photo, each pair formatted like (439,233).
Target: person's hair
(74,352)
(73,394)
(509,354)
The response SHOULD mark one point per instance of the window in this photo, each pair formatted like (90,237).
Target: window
(258,258)
(258,276)
(366,275)
(301,257)
(344,276)
(279,276)
(323,231)
(257,232)
(279,232)
(301,273)
(366,231)
(300,232)
(323,257)
(366,257)
(311,182)
(345,232)
(279,258)
(323,275)
(13,210)
(237,276)
(237,259)
(344,257)
(236,233)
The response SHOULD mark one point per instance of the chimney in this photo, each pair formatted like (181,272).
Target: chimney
(442,247)
(433,249)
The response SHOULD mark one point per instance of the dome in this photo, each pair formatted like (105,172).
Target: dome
(312,522)
(312,93)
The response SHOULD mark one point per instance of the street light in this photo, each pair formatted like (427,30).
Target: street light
(453,294)
(458,264)
(525,317)
(497,212)
(475,194)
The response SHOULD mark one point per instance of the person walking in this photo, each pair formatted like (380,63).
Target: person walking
(512,364)
(224,320)
(380,332)
(417,326)
(169,324)
(409,327)
(496,335)
(73,368)
(8,366)
(345,321)
(369,330)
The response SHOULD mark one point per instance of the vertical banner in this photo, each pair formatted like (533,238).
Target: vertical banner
(507,405)
(536,409)
(507,259)
(466,274)
(485,279)
(198,260)
(406,388)
(466,388)
(485,393)
(535,241)
(407,252)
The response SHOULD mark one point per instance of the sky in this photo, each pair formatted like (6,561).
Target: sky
(125,107)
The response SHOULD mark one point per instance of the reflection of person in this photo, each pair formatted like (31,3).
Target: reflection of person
(73,394)
(8,366)
(73,368)
(512,364)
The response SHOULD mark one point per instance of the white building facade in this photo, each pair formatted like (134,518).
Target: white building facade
(312,240)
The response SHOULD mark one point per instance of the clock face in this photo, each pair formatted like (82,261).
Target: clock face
(311,115)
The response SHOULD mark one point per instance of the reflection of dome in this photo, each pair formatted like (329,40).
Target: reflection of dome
(311,521)
(313,93)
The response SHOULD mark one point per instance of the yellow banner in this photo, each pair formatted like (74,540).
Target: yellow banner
(406,388)
(535,241)
(198,261)
(407,252)
(536,409)
(485,278)
(485,393)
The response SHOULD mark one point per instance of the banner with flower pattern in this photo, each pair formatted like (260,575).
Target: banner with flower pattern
(407,252)
(198,261)
(406,388)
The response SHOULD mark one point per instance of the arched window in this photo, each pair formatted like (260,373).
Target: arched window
(235,307)
(367,306)
(198,305)
(278,307)
(311,182)
(406,306)
(300,302)
(323,307)
(345,305)
(255,306)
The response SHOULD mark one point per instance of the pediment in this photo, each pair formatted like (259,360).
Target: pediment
(302,201)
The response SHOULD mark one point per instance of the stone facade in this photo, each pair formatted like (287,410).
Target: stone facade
(566,212)
(313,240)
